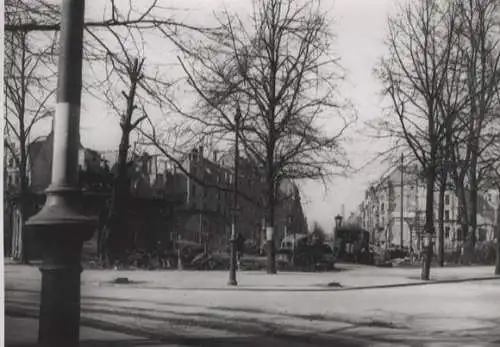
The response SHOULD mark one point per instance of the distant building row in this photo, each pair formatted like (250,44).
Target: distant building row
(199,196)
(380,211)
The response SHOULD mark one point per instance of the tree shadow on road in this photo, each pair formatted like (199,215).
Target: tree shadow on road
(101,343)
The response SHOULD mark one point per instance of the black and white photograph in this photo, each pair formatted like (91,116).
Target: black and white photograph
(250,173)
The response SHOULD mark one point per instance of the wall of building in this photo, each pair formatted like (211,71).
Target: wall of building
(207,214)
(380,211)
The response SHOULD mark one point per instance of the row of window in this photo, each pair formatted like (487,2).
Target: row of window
(460,236)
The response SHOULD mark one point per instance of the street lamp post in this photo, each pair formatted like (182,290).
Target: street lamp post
(59,227)
(338,224)
(179,255)
(232,263)
(338,221)
(411,223)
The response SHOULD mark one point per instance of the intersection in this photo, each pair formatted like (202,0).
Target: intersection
(197,308)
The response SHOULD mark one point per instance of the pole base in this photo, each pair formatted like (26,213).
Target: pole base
(232,282)
(271,259)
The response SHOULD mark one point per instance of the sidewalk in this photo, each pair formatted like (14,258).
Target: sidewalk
(351,277)
(23,331)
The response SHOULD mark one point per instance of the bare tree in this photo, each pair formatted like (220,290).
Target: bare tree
(420,43)
(104,37)
(43,15)
(28,88)
(132,89)
(475,131)
(280,71)
(490,167)
(495,182)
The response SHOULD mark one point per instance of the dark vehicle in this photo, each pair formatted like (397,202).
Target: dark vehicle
(307,256)
(353,245)
(323,257)
(395,253)
(194,257)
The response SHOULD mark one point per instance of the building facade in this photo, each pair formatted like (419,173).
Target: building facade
(207,183)
(197,199)
(389,225)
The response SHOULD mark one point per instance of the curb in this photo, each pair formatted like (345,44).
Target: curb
(318,288)
(423,283)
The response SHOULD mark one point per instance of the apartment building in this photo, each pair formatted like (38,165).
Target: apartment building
(206,216)
(39,173)
(394,213)
(39,164)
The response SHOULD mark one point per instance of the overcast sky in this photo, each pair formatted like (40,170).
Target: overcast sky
(360,26)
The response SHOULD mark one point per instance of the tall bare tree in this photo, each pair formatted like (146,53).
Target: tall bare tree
(475,131)
(420,42)
(29,85)
(44,15)
(132,89)
(104,44)
(279,69)
(490,167)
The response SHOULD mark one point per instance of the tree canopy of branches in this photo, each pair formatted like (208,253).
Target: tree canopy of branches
(29,85)
(442,76)
(111,48)
(44,15)
(279,69)
(421,43)
(476,104)
(132,89)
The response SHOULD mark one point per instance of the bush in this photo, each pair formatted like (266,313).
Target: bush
(485,253)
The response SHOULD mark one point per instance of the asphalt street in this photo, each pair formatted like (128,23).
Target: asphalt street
(162,313)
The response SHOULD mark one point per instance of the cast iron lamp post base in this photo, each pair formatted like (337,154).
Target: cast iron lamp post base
(61,232)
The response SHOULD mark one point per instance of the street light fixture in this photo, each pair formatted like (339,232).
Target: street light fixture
(338,221)
(338,224)
(428,238)
(59,227)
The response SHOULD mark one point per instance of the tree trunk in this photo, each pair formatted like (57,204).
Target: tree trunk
(497,259)
(472,204)
(121,188)
(442,190)
(429,221)
(118,201)
(463,213)
(270,235)
(24,197)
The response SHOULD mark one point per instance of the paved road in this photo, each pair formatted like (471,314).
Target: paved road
(456,314)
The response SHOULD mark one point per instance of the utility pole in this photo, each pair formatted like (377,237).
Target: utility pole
(59,226)
(232,264)
(179,255)
(401,210)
